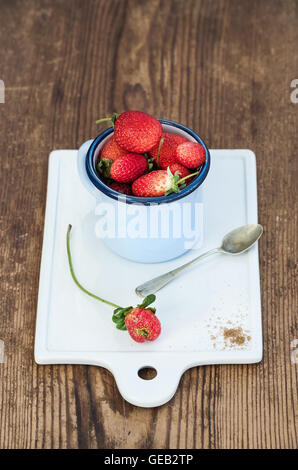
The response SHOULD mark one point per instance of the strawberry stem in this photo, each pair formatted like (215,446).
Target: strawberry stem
(74,276)
(159,149)
(188,176)
(103,120)
(112,119)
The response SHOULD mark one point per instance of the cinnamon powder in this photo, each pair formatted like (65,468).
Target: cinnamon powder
(235,336)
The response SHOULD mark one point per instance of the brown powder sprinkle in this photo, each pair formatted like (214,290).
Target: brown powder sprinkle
(235,336)
(230,333)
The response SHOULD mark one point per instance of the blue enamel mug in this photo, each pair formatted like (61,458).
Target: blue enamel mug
(145,230)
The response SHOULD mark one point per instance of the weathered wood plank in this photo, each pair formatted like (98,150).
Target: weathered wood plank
(222,67)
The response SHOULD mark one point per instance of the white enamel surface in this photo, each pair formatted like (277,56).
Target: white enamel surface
(74,328)
(150,250)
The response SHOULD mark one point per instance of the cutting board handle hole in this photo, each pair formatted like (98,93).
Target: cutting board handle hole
(147,373)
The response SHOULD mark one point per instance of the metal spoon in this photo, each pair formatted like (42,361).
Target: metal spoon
(234,243)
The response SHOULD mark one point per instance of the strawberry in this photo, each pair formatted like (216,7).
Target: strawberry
(111,150)
(137,132)
(142,325)
(128,167)
(121,188)
(141,322)
(191,154)
(174,167)
(164,153)
(153,184)
(175,139)
(158,183)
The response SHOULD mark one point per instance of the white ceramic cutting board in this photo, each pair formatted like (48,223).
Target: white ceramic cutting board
(199,311)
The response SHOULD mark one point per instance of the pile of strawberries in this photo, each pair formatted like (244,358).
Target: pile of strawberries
(142,160)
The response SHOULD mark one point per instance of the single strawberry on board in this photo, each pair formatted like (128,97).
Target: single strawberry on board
(123,188)
(142,325)
(140,321)
(159,183)
(128,168)
(135,131)
(191,154)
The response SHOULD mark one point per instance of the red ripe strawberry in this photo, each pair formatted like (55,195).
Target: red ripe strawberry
(175,139)
(155,184)
(142,325)
(159,183)
(164,153)
(180,168)
(137,132)
(111,150)
(191,154)
(121,188)
(128,167)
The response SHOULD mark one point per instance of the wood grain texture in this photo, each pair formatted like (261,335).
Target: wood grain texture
(223,67)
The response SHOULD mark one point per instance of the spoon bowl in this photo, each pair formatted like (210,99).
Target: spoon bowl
(241,239)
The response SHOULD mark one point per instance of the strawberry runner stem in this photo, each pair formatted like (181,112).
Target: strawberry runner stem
(119,313)
(74,276)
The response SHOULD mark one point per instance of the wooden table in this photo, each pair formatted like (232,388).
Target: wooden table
(223,67)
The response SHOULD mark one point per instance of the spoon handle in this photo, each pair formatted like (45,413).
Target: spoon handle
(152,286)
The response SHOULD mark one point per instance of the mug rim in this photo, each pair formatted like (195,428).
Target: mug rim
(102,187)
